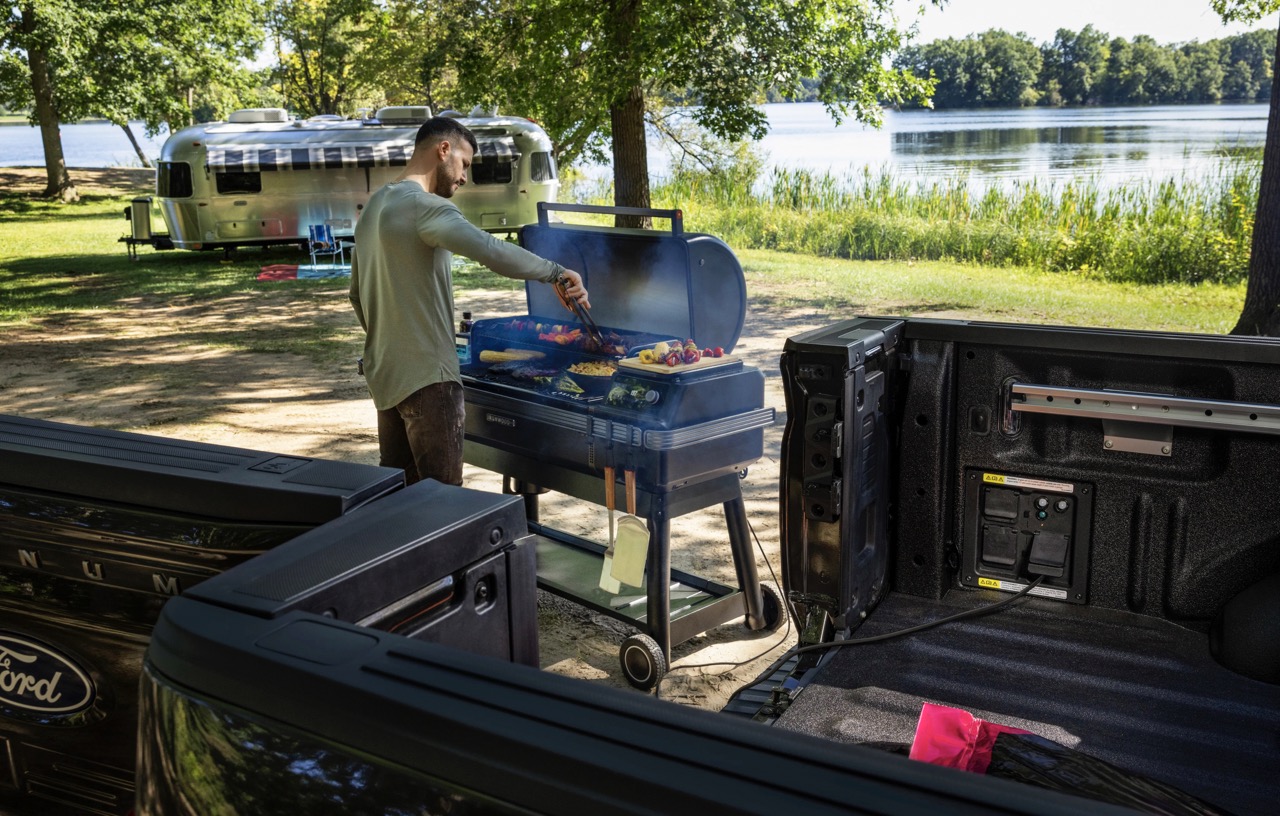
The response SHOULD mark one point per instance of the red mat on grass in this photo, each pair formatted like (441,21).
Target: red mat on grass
(275,272)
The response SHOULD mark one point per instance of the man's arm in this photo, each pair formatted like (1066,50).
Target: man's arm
(353,293)
(446,227)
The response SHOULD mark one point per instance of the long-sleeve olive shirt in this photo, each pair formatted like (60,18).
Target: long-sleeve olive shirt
(402,285)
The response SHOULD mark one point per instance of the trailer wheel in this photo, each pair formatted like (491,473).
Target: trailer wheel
(643,663)
(772,610)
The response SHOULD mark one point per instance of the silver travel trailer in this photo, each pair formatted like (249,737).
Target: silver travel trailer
(261,178)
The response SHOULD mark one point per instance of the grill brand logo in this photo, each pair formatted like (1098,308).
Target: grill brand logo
(35,677)
(500,420)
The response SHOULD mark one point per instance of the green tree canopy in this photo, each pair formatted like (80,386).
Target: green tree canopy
(117,59)
(320,46)
(591,71)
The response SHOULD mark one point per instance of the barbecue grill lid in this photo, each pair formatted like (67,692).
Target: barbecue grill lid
(686,285)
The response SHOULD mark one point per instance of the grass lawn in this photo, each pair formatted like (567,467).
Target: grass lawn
(56,258)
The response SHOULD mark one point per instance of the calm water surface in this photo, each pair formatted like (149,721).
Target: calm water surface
(93,144)
(1111,144)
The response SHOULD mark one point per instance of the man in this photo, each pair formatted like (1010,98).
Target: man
(402,291)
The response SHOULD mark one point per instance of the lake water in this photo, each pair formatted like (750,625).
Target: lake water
(1112,144)
(92,144)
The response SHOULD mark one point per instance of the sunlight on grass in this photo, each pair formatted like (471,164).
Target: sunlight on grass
(66,258)
(844,288)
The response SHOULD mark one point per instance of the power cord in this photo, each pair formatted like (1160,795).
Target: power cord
(835,644)
(731,666)
(968,613)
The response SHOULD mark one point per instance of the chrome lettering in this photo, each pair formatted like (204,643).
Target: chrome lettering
(21,683)
(92,569)
(164,584)
(29,558)
(500,420)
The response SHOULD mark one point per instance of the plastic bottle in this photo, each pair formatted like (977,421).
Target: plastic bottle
(462,340)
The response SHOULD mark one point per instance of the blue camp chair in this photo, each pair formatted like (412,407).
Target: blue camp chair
(322,242)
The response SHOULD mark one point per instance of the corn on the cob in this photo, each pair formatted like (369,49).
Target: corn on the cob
(510,355)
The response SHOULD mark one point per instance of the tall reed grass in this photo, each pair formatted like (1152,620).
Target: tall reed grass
(1181,229)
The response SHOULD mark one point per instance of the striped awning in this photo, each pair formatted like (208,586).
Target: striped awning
(255,158)
(499,149)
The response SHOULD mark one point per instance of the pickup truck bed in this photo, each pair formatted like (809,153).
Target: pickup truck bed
(1138,692)
(935,466)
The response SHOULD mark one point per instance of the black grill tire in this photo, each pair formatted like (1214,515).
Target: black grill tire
(772,607)
(643,663)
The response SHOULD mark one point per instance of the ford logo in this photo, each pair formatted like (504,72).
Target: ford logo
(35,677)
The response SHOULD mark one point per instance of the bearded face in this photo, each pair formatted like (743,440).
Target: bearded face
(451,173)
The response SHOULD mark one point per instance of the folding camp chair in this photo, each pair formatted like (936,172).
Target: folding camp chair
(322,242)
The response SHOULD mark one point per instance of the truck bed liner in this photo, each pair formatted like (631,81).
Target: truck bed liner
(1138,692)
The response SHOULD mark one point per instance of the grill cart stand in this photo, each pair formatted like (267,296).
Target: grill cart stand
(686,434)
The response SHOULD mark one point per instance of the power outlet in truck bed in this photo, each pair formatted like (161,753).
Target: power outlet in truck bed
(1018,528)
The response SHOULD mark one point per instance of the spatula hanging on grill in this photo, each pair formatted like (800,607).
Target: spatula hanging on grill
(607,582)
(631,547)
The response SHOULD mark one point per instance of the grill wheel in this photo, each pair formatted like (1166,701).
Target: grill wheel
(643,663)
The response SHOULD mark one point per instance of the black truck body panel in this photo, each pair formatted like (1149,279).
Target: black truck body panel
(98,529)
(359,721)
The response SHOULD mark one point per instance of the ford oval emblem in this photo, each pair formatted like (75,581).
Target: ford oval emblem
(36,677)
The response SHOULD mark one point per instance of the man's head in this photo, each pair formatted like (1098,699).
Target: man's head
(447,148)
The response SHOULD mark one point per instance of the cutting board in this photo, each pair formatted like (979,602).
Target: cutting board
(634,364)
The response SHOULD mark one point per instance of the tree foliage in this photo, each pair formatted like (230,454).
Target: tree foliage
(585,68)
(997,69)
(320,49)
(117,59)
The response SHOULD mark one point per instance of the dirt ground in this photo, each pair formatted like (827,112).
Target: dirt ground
(151,368)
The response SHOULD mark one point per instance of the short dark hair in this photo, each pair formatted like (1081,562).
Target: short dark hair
(441,128)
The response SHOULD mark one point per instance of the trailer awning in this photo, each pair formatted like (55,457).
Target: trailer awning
(500,149)
(255,158)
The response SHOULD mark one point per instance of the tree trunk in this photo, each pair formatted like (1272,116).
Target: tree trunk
(626,121)
(1261,312)
(60,185)
(630,158)
(137,148)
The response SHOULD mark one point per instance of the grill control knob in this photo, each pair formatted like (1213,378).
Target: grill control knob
(1042,502)
(651,397)
(1061,505)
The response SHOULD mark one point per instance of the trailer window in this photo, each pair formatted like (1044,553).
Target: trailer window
(239,182)
(542,167)
(491,172)
(173,180)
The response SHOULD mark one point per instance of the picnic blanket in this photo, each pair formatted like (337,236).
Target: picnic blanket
(279,272)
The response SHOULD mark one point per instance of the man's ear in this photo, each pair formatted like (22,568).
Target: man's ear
(443,149)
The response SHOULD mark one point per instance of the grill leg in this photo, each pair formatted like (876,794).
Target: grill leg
(658,617)
(735,516)
(529,491)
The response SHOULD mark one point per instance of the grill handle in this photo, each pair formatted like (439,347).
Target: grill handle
(676,216)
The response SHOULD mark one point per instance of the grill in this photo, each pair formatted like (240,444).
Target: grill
(536,415)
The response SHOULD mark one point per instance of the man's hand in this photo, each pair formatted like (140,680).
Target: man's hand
(571,287)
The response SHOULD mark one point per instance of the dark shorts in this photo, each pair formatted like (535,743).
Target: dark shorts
(423,434)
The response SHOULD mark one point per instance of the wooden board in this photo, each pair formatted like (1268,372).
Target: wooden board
(634,364)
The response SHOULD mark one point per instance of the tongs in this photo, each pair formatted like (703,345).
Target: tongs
(584,317)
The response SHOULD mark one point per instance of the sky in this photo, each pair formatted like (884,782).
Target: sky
(1167,21)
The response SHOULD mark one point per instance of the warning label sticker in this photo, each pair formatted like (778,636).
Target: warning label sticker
(1030,484)
(1010,586)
